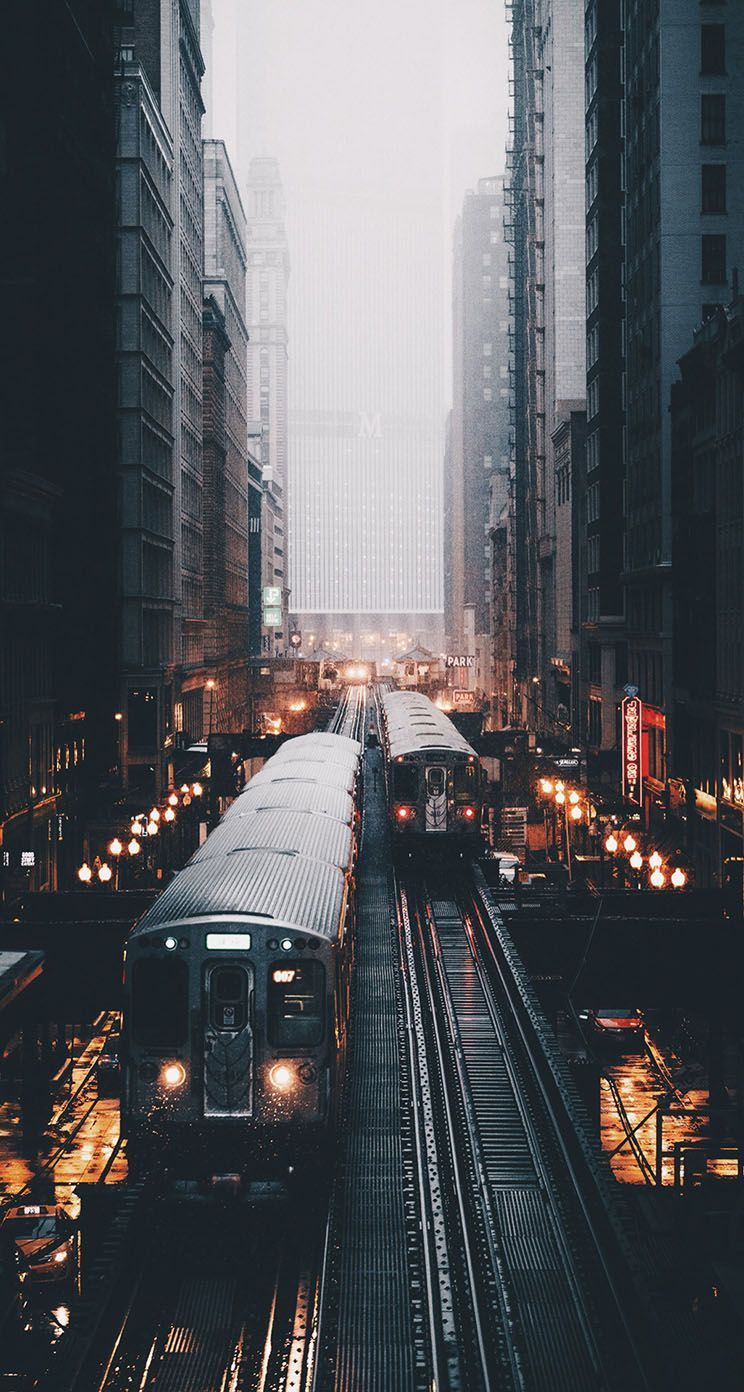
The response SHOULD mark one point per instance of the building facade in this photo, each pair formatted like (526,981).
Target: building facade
(58,526)
(707,772)
(226,481)
(478,460)
(600,670)
(684,219)
(366,422)
(266,316)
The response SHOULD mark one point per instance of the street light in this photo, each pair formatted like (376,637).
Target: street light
(576,813)
(546,787)
(658,879)
(560,798)
(655,860)
(636,860)
(154,815)
(611,844)
(152,828)
(105,873)
(629,843)
(173,800)
(116,848)
(169,814)
(678,878)
(134,847)
(197,790)
(85,873)
(574,797)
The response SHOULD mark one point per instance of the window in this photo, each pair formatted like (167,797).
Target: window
(487,350)
(714,260)
(487,394)
(493,210)
(296,1000)
(713,118)
(466,775)
(160,1002)
(486,258)
(228,998)
(712,48)
(405,782)
(488,461)
(494,236)
(713,193)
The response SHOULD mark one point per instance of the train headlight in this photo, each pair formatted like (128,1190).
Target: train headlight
(173,1075)
(282,1077)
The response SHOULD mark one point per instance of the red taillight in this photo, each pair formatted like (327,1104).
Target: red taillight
(403,813)
(468,812)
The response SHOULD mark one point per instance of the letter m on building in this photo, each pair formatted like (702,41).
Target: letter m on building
(370,427)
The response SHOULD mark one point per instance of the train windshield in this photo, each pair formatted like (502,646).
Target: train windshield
(405,782)
(160,1002)
(466,781)
(296,1003)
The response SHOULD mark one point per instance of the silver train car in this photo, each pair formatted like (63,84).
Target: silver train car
(434,780)
(237,979)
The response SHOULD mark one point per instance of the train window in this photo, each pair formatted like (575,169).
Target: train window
(405,782)
(296,1003)
(160,1002)
(435,782)
(228,998)
(466,780)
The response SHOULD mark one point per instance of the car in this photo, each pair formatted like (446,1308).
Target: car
(108,1068)
(623,1025)
(46,1241)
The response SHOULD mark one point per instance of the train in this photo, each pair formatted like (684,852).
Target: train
(434,781)
(237,979)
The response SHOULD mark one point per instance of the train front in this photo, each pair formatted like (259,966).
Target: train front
(237,981)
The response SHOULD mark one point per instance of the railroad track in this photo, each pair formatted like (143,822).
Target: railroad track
(527,1284)
(349,716)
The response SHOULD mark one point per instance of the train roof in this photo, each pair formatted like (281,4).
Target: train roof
(335,748)
(276,886)
(281,851)
(309,834)
(306,771)
(414,723)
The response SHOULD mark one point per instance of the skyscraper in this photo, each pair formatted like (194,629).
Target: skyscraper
(366,416)
(266,314)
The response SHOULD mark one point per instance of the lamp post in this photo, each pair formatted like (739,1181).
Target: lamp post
(211,684)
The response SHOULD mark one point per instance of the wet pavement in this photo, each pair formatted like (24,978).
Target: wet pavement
(78,1143)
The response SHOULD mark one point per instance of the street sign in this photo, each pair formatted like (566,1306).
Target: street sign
(632,749)
(272,617)
(272,596)
(459,660)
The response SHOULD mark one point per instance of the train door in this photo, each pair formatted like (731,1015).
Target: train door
(228,1040)
(436,797)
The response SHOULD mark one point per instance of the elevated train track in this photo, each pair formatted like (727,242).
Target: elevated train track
(524,1259)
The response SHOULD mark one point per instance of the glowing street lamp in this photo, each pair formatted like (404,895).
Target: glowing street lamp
(629,843)
(560,797)
(576,812)
(116,848)
(655,860)
(134,847)
(636,860)
(154,815)
(152,828)
(169,814)
(173,800)
(678,878)
(197,790)
(546,787)
(574,797)
(85,874)
(611,844)
(658,879)
(105,873)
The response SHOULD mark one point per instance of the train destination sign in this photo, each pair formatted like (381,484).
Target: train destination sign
(632,715)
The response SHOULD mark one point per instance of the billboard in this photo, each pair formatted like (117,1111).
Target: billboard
(632,749)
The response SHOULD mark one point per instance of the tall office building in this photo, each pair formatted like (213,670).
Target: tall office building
(226,479)
(366,419)
(600,671)
(266,314)
(545,193)
(478,461)
(162,662)
(684,229)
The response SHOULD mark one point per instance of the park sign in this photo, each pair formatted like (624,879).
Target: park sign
(459,660)
(632,748)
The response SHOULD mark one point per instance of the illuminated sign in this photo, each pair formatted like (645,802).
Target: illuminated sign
(272,596)
(459,660)
(228,942)
(272,617)
(283,975)
(632,712)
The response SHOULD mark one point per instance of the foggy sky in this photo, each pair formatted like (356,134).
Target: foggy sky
(370,95)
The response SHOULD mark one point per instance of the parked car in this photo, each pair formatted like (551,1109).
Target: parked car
(47,1243)
(108,1068)
(618,1025)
